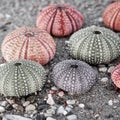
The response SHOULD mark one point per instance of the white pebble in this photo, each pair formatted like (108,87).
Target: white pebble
(70,102)
(61,94)
(81,105)
(68,108)
(110,69)
(61,110)
(30,107)
(119,95)
(104,79)
(102,69)
(50,118)
(110,102)
(100,19)
(54,88)
(97,115)
(2,109)
(72,117)
(50,100)
(51,111)
(26,103)
(4,103)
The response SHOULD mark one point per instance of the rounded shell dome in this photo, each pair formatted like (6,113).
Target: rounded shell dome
(74,76)
(111,16)
(115,76)
(20,78)
(94,45)
(60,19)
(29,43)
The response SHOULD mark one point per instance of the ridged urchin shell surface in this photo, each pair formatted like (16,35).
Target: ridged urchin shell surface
(29,43)
(20,78)
(94,45)
(111,16)
(60,19)
(74,76)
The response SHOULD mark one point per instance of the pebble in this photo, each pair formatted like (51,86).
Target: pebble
(14,105)
(11,101)
(61,110)
(50,100)
(110,102)
(61,94)
(115,101)
(68,108)
(110,69)
(30,107)
(3,103)
(119,95)
(72,117)
(81,105)
(50,118)
(51,111)
(104,79)
(2,109)
(14,117)
(97,115)
(31,98)
(20,108)
(100,19)
(54,88)
(26,103)
(103,69)
(70,102)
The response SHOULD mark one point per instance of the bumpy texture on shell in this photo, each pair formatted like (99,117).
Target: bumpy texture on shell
(20,78)
(74,76)
(115,76)
(94,45)
(29,43)
(60,19)
(111,16)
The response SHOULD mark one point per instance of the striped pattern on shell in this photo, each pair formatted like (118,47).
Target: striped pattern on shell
(60,19)
(74,76)
(94,45)
(20,78)
(111,16)
(29,43)
(115,76)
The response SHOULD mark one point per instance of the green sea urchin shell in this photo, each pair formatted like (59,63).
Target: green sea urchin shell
(94,45)
(20,78)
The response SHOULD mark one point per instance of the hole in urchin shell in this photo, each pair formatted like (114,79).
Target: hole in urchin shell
(17,64)
(29,34)
(74,66)
(96,32)
(60,7)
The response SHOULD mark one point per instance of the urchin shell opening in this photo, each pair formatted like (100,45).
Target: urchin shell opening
(29,34)
(96,32)
(60,7)
(17,64)
(74,66)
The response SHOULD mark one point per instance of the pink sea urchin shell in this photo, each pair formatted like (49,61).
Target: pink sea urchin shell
(60,19)
(111,16)
(29,43)
(115,76)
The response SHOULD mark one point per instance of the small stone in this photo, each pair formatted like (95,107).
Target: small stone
(14,117)
(100,19)
(4,103)
(51,111)
(51,92)
(14,106)
(30,107)
(61,94)
(72,117)
(68,108)
(31,98)
(119,95)
(2,109)
(43,106)
(54,88)
(81,105)
(61,110)
(50,118)
(97,115)
(70,102)
(67,42)
(115,101)
(20,108)
(104,79)
(110,69)
(26,103)
(110,102)
(50,100)
(10,101)
(102,69)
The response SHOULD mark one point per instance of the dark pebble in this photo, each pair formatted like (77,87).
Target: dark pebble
(43,106)
(39,117)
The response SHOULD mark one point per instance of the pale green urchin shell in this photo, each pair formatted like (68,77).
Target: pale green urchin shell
(95,45)
(22,77)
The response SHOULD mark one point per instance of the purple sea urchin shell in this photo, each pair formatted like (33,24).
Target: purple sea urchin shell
(74,76)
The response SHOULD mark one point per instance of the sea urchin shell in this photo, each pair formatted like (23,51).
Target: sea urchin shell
(115,76)
(29,43)
(60,19)
(74,76)
(94,45)
(111,16)
(20,78)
